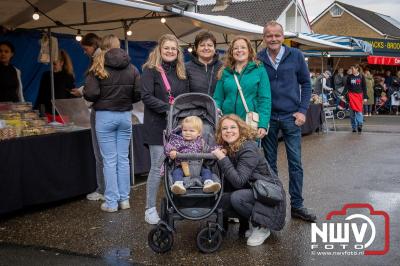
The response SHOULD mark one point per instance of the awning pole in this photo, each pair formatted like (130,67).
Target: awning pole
(53,107)
(322,62)
(131,142)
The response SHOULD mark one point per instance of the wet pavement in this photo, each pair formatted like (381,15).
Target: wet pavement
(339,167)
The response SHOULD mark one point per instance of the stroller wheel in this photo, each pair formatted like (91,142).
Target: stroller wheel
(340,114)
(160,239)
(209,239)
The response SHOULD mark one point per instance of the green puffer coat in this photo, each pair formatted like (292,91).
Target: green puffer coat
(256,90)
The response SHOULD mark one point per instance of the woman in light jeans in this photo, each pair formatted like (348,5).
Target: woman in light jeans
(166,57)
(110,85)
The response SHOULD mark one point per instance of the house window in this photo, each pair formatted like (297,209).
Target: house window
(336,11)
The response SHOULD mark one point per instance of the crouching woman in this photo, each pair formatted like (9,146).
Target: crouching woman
(242,164)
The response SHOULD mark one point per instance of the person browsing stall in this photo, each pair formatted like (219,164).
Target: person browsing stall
(111,86)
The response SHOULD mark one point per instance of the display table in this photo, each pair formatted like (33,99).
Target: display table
(313,119)
(47,168)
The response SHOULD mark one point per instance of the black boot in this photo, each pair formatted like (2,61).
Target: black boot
(359,129)
(243,227)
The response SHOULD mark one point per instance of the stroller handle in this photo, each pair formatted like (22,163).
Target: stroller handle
(195,156)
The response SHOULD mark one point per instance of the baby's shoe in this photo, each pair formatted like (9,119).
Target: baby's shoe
(211,186)
(178,188)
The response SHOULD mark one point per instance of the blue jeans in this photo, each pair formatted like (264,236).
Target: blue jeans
(292,138)
(356,119)
(114,131)
(367,108)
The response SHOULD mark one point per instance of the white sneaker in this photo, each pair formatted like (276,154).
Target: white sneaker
(123,205)
(178,188)
(151,216)
(249,231)
(211,186)
(95,196)
(105,208)
(258,236)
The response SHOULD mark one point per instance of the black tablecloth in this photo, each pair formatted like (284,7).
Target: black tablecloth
(313,119)
(41,169)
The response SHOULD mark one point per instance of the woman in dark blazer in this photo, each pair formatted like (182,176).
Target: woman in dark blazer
(241,162)
(166,57)
(203,67)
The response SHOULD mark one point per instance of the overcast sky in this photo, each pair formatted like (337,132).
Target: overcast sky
(386,7)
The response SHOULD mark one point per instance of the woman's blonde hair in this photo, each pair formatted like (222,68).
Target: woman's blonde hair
(229,60)
(107,43)
(67,62)
(194,121)
(155,59)
(245,133)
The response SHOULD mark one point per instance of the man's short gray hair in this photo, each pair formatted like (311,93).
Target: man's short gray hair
(272,23)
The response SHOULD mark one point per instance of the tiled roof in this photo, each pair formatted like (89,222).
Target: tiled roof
(373,19)
(253,11)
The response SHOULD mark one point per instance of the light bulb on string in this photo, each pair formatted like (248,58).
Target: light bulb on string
(163,20)
(129,33)
(190,49)
(78,37)
(36,15)
(328,55)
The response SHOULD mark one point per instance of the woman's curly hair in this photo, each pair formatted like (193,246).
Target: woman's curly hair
(245,133)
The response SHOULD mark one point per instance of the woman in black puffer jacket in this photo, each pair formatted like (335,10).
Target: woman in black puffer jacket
(203,67)
(113,85)
(242,164)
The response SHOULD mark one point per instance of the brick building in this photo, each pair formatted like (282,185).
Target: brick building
(382,31)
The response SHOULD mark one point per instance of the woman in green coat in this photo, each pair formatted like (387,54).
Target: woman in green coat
(369,80)
(253,79)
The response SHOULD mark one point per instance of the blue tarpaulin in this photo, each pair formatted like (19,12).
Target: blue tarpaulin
(27,49)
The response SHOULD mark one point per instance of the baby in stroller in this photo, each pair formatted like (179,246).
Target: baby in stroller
(188,139)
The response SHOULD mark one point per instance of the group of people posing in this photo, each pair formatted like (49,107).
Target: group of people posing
(275,84)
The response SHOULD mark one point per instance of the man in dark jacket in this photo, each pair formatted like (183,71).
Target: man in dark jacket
(291,92)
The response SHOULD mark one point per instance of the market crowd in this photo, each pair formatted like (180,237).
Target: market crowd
(257,96)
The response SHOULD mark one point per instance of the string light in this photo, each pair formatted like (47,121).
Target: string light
(78,37)
(163,20)
(190,49)
(328,55)
(36,15)
(129,33)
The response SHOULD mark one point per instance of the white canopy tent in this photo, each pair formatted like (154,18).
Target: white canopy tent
(142,18)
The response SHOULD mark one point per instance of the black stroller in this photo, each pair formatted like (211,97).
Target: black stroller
(195,204)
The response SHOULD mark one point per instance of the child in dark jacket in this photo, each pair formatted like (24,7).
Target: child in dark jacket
(189,141)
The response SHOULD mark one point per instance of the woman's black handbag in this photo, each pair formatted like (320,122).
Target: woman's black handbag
(267,192)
